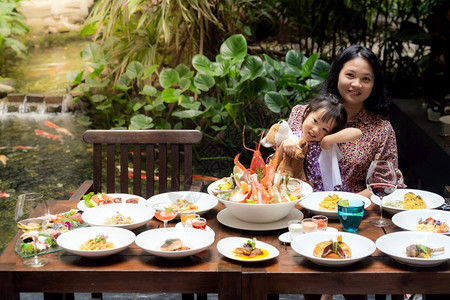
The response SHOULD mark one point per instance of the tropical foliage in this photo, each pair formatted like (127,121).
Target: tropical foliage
(12,27)
(218,97)
(164,32)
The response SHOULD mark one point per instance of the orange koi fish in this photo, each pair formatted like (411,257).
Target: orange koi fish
(3,195)
(48,135)
(58,128)
(3,159)
(26,147)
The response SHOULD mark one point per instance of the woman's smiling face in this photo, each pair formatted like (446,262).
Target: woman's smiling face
(356,80)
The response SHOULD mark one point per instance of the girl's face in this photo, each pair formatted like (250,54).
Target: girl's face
(314,129)
(356,80)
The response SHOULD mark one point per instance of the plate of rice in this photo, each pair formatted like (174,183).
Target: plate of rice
(409,199)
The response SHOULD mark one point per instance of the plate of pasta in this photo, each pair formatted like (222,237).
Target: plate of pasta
(96,242)
(424,220)
(185,201)
(124,215)
(325,203)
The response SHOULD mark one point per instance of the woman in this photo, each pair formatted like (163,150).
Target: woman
(356,77)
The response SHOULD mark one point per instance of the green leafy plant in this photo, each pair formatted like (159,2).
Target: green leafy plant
(218,97)
(12,26)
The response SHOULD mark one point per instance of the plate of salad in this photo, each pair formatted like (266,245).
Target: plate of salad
(46,239)
(96,199)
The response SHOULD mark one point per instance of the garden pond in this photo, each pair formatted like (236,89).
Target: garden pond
(37,157)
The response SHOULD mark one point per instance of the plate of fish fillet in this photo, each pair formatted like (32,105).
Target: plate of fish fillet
(174,243)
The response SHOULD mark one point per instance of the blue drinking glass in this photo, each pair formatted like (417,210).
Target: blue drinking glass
(350,213)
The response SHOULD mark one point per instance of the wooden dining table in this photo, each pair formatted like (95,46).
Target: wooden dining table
(136,271)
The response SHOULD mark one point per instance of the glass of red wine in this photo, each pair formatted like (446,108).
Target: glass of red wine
(381,181)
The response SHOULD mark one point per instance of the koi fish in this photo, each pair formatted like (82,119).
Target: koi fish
(58,128)
(48,135)
(26,147)
(4,195)
(3,159)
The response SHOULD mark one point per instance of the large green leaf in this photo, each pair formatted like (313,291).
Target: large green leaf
(309,64)
(235,47)
(203,82)
(274,101)
(187,114)
(148,90)
(134,70)
(252,67)
(202,64)
(170,95)
(183,71)
(168,77)
(295,61)
(320,70)
(140,121)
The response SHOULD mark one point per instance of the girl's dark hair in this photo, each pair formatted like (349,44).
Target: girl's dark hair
(334,110)
(378,100)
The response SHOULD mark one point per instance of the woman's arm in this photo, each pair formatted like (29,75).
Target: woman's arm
(342,136)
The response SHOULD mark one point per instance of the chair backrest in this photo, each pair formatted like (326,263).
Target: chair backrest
(151,148)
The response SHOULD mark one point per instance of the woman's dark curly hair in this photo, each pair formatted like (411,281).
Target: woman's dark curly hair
(378,100)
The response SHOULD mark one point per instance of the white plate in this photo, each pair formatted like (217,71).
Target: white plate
(408,219)
(432,200)
(208,229)
(286,237)
(360,246)
(83,207)
(97,216)
(227,219)
(204,201)
(227,245)
(72,240)
(196,240)
(262,213)
(394,245)
(311,203)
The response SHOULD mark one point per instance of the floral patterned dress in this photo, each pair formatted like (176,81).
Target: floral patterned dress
(377,142)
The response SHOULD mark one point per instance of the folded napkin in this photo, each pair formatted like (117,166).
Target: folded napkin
(329,167)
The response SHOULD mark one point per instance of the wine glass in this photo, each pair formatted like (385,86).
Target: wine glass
(164,213)
(30,213)
(381,180)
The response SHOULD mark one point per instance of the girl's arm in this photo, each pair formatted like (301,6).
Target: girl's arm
(342,136)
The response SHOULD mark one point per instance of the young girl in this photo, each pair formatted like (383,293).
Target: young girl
(323,127)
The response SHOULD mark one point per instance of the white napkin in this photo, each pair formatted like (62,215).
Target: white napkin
(329,167)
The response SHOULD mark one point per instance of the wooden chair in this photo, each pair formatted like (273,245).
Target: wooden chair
(167,151)
(159,149)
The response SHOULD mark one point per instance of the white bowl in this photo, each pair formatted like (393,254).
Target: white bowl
(82,206)
(409,219)
(312,202)
(152,240)
(360,246)
(204,201)
(260,213)
(98,215)
(394,245)
(72,240)
(432,200)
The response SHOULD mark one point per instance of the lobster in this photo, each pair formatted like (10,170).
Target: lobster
(257,164)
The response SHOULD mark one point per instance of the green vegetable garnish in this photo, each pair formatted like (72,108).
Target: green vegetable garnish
(424,249)
(252,242)
(87,199)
